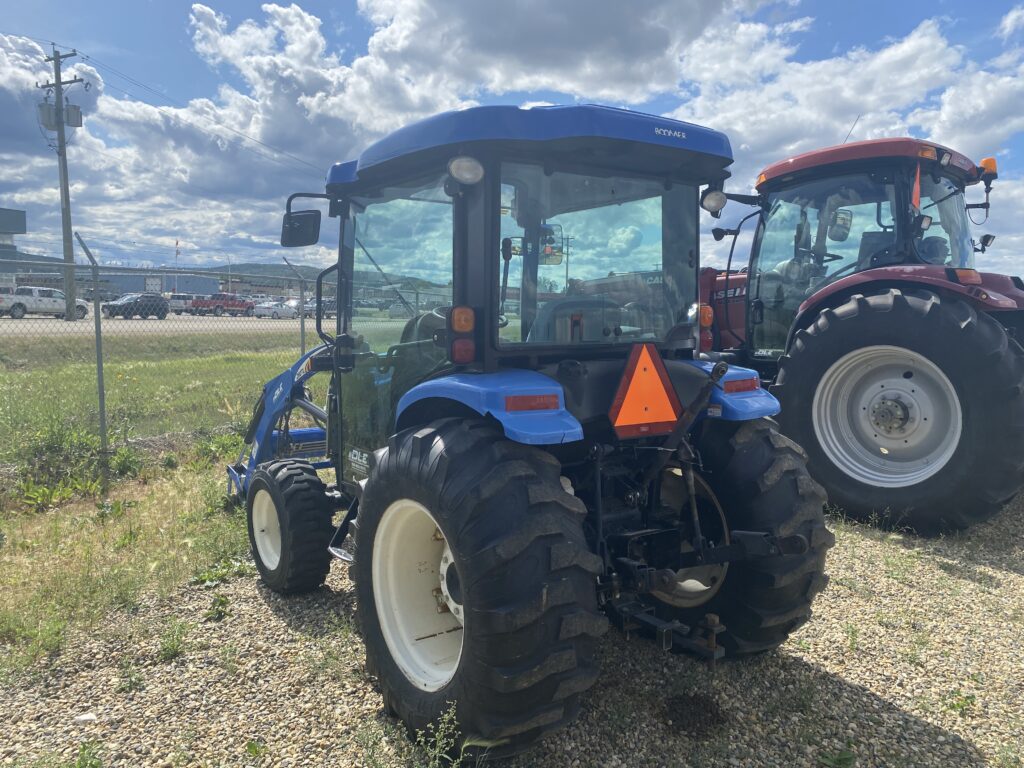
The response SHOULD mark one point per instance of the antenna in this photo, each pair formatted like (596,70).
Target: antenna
(851,129)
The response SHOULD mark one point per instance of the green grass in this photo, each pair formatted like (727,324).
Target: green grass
(67,568)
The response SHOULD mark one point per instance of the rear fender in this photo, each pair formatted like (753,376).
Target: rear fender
(904,278)
(486,394)
(736,406)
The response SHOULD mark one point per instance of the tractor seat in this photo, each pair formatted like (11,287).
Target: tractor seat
(871,243)
(421,327)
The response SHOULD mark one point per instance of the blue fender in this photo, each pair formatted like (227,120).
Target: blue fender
(737,406)
(486,394)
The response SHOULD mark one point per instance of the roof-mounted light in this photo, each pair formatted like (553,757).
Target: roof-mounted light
(928,152)
(465,170)
(944,158)
(713,200)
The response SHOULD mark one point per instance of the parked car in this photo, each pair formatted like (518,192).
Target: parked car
(180,303)
(137,305)
(330,307)
(223,304)
(29,300)
(275,309)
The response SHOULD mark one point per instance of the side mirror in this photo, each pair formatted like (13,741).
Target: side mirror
(300,228)
(984,243)
(839,228)
(922,222)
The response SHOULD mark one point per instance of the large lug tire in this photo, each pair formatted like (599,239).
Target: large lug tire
(17,311)
(911,409)
(289,517)
(760,479)
(469,538)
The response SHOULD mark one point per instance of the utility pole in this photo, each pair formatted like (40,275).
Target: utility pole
(62,165)
(177,251)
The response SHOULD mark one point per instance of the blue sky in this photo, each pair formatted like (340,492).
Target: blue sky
(317,81)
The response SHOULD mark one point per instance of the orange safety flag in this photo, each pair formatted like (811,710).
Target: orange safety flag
(915,198)
(646,402)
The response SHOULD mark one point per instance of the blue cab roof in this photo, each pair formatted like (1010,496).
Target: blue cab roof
(538,124)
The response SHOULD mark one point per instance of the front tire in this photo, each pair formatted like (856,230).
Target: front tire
(289,520)
(911,408)
(760,478)
(513,623)
(80,313)
(17,311)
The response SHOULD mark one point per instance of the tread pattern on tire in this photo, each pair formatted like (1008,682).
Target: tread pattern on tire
(528,575)
(760,478)
(306,528)
(991,470)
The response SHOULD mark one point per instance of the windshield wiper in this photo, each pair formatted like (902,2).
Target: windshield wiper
(936,202)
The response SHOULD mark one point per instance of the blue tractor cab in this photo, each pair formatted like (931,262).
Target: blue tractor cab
(522,442)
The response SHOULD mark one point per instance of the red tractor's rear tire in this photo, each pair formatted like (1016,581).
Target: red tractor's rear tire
(971,376)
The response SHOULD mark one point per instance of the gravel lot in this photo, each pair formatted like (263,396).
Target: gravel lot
(913,658)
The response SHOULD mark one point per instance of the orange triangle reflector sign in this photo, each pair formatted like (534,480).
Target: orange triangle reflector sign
(646,402)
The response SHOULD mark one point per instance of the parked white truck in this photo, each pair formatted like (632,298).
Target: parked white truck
(28,300)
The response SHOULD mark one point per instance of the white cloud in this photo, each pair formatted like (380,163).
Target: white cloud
(1012,22)
(156,174)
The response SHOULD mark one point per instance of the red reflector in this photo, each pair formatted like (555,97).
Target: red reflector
(463,351)
(741,385)
(707,340)
(531,402)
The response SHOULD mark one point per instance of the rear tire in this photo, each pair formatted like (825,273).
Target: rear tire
(80,313)
(760,478)
(526,584)
(963,368)
(218,311)
(289,520)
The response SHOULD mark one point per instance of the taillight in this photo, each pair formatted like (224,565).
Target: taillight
(531,402)
(463,351)
(707,340)
(741,385)
(707,316)
(462,335)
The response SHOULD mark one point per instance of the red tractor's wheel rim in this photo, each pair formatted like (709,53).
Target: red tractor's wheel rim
(887,416)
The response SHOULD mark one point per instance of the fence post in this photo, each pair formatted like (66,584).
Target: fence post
(100,389)
(302,306)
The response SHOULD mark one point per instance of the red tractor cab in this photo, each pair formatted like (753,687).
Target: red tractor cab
(895,360)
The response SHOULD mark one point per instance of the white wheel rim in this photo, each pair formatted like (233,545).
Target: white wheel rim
(419,617)
(266,529)
(887,416)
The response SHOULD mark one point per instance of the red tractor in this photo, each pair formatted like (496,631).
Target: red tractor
(897,364)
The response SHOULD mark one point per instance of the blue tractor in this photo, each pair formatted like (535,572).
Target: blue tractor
(526,445)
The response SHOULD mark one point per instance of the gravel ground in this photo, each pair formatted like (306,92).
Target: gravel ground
(913,658)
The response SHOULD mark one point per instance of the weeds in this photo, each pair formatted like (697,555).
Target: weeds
(129,678)
(126,462)
(227,657)
(172,641)
(852,632)
(223,570)
(218,610)
(255,748)
(88,755)
(959,702)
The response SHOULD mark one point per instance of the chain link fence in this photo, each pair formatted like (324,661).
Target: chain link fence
(158,355)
